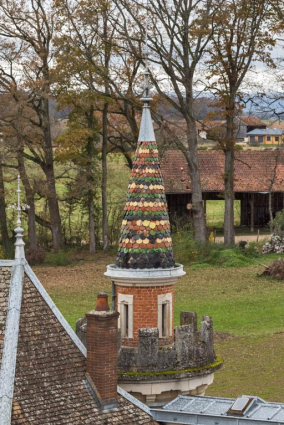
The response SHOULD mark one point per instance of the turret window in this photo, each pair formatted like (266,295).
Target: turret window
(165,315)
(125,309)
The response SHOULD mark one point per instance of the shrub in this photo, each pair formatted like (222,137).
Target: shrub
(35,255)
(238,147)
(59,258)
(185,247)
(252,249)
(187,250)
(228,258)
(278,224)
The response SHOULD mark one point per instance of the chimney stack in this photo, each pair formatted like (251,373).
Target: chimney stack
(102,351)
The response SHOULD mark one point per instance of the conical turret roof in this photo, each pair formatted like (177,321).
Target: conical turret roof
(145,240)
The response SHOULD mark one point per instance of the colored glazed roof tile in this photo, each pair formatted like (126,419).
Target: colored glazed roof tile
(145,240)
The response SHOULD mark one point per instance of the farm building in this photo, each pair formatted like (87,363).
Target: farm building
(267,136)
(246,124)
(256,174)
(217,128)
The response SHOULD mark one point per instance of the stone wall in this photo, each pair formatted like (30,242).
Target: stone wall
(191,347)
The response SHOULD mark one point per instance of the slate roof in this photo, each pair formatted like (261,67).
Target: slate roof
(266,131)
(253,171)
(145,240)
(43,363)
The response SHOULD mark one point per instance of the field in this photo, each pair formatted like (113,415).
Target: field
(248,314)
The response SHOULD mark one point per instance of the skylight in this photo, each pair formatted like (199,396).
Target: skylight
(240,406)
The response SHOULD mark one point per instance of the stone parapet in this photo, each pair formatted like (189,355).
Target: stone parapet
(191,353)
(191,348)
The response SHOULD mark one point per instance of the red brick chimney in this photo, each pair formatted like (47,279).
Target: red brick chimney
(102,351)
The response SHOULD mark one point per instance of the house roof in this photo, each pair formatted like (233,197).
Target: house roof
(251,121)
(266,131)
(212,410)
(254,171)
(43,363)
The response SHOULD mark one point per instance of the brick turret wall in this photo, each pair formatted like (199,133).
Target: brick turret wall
(145,310)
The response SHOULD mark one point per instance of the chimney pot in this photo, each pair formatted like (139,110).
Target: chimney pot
(102,302)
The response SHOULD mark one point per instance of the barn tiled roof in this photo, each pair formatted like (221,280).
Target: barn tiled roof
(277,124)
(254,171)
(43,363)
(251,121)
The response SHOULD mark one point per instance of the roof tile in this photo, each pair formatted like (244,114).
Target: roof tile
(253,171)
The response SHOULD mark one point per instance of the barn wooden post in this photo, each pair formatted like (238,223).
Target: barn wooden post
(252,212)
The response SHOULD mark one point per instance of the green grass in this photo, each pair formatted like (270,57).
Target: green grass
(215,213)
(239,302)
(253,366)
(248,313)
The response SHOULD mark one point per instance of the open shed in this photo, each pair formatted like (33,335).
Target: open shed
(257,173)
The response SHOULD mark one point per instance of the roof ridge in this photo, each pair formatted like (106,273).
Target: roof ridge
(9,356)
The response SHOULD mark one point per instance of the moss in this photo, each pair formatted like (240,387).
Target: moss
(219,360)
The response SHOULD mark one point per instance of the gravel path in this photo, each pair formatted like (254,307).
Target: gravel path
(248,238)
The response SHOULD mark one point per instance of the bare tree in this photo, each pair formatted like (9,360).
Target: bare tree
(179,32)
(239,38)
(26,31)
(102,74)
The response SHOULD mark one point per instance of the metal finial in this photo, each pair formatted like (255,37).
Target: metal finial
(19,244)
(146,99)
(146,133)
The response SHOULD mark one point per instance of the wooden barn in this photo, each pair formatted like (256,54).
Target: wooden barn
(256,174)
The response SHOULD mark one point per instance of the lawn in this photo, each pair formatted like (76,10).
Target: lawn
(215,213)
(248,314)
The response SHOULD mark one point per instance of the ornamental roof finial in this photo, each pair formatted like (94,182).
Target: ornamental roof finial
(19,244)
(146,99)
(146,133)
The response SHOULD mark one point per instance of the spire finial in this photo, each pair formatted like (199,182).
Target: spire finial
(19,244)
(146,99)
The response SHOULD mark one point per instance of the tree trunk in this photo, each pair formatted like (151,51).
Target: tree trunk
(104,179)
(55,219)
(92,243)
(107,54)
(229,194)
(30,200)
(229,233)
(6,242)
(270,211)
(199,223)
(91,180)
